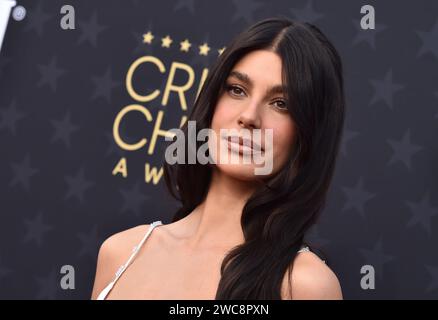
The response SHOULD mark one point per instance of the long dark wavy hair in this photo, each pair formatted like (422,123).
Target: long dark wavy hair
(278,214)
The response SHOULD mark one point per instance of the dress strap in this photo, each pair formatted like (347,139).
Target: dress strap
(304,249)
(122,268)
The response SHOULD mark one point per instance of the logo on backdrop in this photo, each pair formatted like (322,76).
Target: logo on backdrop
(154,106)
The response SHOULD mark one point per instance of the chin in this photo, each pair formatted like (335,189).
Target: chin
(240,172)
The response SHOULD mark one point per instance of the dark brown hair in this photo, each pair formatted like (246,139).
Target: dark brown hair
(276,217)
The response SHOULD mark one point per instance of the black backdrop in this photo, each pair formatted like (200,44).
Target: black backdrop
(61,91)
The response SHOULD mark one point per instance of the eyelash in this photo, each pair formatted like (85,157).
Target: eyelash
(230,87)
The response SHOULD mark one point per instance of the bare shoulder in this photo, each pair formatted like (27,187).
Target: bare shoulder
(114,252)
(311,279)
(120,241)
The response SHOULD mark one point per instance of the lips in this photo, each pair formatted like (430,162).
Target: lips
(245,143)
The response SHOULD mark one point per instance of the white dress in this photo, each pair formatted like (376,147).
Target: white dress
(135,250)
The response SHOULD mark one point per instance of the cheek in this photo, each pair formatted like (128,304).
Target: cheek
(283,138)
(221,117)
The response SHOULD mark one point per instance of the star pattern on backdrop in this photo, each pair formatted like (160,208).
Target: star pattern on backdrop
(112,146)
(314,237)
(385,89)
(148,37)
(347,136)
(133,199)
(422,213)
(367,36)
(63,129)
(357,197)
(432,285)
(166,41)
(201,60)
(376,257)
(185,45)
(104,85)
(144,47)
(403,149)
(90,243)
(36,19)
(4,271)
(36,229)
(48,286)
(22,173)
(245,10)
(188,5)
(49,74)
(90,30)
(77,185)
(307,13)
(429,42)
(9,116)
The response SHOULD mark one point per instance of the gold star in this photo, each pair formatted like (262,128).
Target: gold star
(147,37)
(185,45)
(221,50)
(203,50)
(165,42)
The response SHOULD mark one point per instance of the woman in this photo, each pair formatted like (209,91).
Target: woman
(239,235)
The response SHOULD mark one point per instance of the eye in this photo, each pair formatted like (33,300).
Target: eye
(282,105)
(237,90)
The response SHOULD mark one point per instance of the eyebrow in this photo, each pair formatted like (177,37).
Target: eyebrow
(277,89)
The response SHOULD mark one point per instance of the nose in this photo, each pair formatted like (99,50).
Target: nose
(249,118)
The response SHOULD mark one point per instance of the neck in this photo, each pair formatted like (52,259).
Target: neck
(216,221)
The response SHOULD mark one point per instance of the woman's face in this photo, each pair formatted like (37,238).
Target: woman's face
(253,99)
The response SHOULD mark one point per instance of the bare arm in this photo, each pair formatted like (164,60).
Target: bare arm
(311,279)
